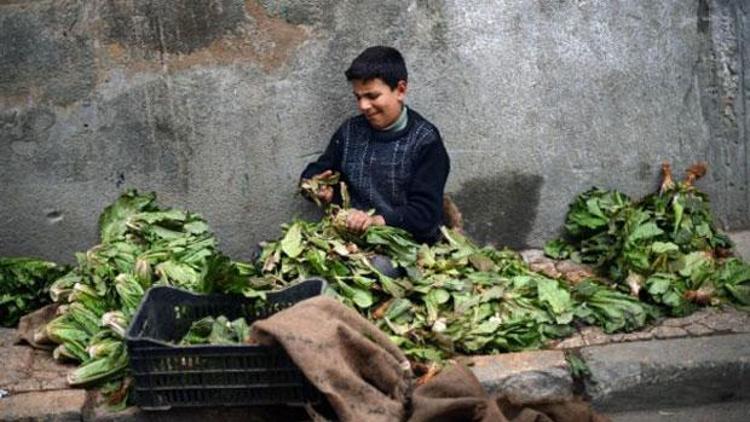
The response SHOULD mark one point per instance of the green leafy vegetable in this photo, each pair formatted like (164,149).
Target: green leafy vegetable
(24,286)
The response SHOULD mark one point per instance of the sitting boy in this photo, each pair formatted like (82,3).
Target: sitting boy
(391,158)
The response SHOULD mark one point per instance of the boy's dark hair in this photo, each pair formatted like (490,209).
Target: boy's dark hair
(381,62)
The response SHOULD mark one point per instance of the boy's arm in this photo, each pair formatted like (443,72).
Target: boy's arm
(424,208)
(327,161)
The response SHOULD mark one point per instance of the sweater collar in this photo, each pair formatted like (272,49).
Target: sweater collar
(400,123)
(396,131)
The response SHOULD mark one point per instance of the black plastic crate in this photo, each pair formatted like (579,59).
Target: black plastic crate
(167,375)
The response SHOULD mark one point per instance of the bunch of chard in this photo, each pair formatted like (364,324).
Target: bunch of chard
(218,330)
(24,286)
(141,245)
(451,298)
(664,248)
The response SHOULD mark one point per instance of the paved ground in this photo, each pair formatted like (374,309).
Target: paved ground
(705,322)
(726,412)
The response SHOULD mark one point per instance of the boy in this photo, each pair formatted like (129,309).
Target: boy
(391,158)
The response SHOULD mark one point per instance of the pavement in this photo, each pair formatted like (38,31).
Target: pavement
(695,368)
(724,411)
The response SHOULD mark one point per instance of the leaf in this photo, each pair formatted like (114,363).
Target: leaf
(425,257)
(178,274)
(362,281)
(362,298)
(398,308)
(592,206)
(112,221)
(481,262)
(678,212)
(291,244)
(317,259)
(439,296)
(740,292)
(664,247)
(25,286)
(637,258)
(196,227)
(339,247)
(645,231)
(659,284)
(672,299)
(432,308)
(494,292)
(691,263)
(557,249)
(487,327)
(272,260)
(556,297)
(733,272)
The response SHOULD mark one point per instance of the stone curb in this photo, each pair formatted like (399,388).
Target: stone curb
(675,372)
(626,376)
(526,377)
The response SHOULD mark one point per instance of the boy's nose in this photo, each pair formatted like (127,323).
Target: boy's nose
(364,105)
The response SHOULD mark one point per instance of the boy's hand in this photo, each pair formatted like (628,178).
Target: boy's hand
(325,191)
(358,221)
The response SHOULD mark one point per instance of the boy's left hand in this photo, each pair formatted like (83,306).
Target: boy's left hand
(358,221)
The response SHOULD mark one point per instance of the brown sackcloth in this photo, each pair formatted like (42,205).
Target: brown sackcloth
(32,322)
(456,395)
(365,377)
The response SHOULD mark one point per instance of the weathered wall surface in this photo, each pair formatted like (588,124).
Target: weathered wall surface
(217,106)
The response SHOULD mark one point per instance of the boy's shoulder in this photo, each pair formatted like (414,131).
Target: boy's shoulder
(421,124)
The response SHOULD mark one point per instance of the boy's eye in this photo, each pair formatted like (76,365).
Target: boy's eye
(368,96)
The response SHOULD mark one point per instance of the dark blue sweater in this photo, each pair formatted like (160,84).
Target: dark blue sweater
(400,174)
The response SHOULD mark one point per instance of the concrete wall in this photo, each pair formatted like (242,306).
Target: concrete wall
(217,106)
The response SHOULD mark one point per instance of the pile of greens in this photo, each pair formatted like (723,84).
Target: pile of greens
(219,330)
(24,286)
(663,248)
(141,246)
(454,298)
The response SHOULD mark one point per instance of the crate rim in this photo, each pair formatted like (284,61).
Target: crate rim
(132,339)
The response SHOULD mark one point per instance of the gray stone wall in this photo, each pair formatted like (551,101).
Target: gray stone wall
(218,105)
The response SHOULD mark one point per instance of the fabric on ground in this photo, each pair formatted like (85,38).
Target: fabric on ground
(30,323)
(365,377)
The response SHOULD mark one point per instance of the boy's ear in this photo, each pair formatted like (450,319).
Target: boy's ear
(401,89)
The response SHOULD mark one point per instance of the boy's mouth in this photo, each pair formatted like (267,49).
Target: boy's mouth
(372,117)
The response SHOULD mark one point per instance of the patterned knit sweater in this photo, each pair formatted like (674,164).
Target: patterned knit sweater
(400,174)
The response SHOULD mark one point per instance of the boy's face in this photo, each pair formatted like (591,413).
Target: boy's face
(380,104)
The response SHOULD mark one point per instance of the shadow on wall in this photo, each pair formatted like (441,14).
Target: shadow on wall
(500,210)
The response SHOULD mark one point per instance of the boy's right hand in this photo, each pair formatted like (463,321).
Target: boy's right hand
(325,192)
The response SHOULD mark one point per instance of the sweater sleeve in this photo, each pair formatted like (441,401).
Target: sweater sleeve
(329,160)
(423,212)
